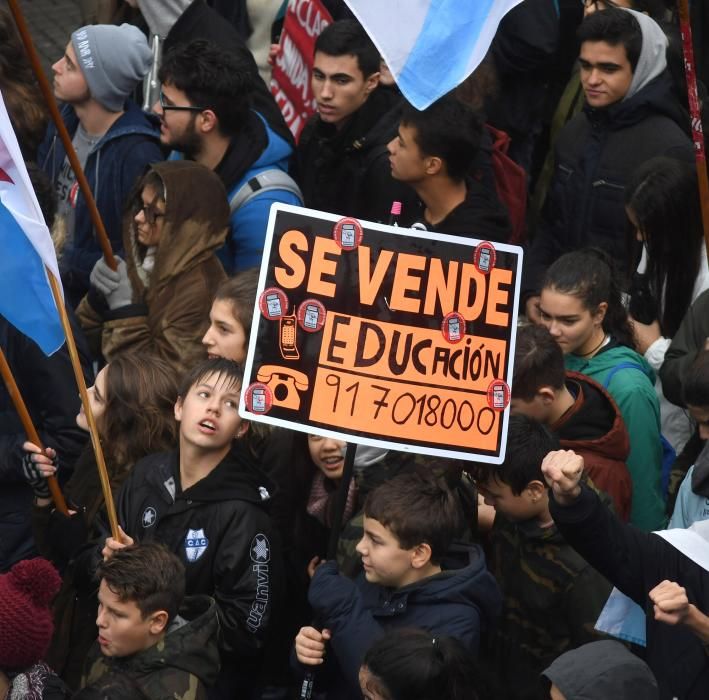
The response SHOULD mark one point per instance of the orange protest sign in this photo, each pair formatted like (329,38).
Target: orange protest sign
(379,335)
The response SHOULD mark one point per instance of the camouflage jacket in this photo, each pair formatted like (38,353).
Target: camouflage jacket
(182,665)
(552,599)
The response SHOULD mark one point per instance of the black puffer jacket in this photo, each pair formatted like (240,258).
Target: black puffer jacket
(221,531)
(595,154)
(347,172)
(48,387)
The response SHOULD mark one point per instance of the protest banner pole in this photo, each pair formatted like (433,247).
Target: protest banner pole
(343,488)
(695,115)
(31,431)
(51,102)
(83,393)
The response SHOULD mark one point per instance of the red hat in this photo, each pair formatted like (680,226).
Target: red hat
(26,626)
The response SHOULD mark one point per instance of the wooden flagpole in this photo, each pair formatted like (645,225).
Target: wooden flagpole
(103,240)
(48,94)
(695,115)
(83,393)
(28,425)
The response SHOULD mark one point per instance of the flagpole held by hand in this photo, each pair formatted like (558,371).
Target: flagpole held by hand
(46,89)
(83,393)
(28,425)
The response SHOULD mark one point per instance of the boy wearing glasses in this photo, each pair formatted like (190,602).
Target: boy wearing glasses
(205,116)
(113,139)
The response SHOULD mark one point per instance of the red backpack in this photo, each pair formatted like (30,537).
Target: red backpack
(511,184)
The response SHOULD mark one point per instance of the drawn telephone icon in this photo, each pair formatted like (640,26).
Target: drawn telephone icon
(285,383)
(286,338)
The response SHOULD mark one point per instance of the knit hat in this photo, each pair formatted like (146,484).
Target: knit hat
(26,626)
(113,61)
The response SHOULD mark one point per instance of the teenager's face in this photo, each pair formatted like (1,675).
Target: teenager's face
(571,324)
(226,336)
(370,685)
(407,162)
(69,82)
(701,416)
(150,218)
(178,127)
(209,414)
(122,631)
(339,86)
(538,408)
(328,455)
(499,495)
(383,559)
(605,73)
(97,400)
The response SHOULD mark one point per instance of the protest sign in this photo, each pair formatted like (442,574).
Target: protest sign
(292,66)
(398,338)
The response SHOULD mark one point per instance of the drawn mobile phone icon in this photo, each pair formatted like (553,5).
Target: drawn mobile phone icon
(312,316)
(454,328)
(288,326)
(273,304)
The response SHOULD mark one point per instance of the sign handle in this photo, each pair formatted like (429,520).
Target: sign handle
(308,686)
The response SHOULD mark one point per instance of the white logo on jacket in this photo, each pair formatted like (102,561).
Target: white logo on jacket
(149,517)
(260,556)
(196,544)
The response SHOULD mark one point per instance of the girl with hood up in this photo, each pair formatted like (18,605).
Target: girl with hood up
(159,297)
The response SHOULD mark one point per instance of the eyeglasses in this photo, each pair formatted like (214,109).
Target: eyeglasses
(175,108)
(150,212)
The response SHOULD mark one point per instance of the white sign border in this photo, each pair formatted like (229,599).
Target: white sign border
(358,439)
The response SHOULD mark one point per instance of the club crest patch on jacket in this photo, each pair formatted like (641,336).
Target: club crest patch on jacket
(196,544)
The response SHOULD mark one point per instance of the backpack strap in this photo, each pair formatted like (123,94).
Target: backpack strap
(271,179)
(618,367)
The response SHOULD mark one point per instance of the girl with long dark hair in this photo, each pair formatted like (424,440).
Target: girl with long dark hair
(662,204)
(581,305)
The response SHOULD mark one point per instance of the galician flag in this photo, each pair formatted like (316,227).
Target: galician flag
(431,46)
(26,247)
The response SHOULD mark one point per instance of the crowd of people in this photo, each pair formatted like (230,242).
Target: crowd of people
(456,580)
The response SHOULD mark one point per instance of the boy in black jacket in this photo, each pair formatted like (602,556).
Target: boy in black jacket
(205,501)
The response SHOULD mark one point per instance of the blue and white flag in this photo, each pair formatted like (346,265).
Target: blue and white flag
(431,46)
(26,247)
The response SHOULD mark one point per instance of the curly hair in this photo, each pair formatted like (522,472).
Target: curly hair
(139,418)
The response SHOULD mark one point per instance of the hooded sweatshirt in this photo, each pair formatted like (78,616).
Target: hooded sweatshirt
(630,381)
(171,303)
(462,601)
(220,529)
(593,427)
(595,154)
(183,664)
(692,502)
(601,671)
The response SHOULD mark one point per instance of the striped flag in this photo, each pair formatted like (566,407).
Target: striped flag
(26,247)
(431,46)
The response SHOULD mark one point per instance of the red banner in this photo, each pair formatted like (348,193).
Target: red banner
(290,81)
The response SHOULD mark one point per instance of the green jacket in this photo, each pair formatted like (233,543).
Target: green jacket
(634,392)
(182,665)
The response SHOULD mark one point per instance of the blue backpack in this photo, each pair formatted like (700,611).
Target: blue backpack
(668,452)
